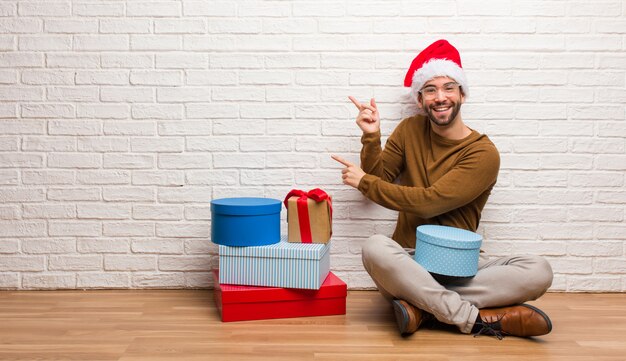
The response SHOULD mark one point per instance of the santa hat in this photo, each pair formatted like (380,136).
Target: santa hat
(438,59)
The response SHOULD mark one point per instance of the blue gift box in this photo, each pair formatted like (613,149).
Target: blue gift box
(284,264)
(447,251)
(245,221)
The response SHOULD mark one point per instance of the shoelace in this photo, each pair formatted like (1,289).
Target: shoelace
(491,329)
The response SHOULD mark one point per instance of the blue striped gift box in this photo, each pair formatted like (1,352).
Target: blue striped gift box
(283,264)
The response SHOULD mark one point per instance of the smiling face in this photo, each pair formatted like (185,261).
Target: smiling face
(443,106)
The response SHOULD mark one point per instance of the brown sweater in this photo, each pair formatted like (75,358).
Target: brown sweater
(441,181)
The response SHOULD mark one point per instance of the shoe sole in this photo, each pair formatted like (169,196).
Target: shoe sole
(540,312)
(402,316)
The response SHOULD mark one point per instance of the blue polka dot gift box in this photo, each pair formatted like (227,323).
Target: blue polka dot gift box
(245,221)
(447,251)
(283,264)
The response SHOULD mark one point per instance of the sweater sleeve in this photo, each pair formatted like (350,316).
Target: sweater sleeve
(385,164)
(469,178)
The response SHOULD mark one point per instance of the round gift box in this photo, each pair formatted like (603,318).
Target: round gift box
(447,251)
(245,221)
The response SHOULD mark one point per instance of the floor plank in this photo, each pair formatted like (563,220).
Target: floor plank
(131,325)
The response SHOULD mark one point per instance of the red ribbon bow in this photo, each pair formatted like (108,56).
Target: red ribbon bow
(317,195)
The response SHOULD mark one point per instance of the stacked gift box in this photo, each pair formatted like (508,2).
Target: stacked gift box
(263,275)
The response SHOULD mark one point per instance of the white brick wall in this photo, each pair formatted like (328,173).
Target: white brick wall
(121,120)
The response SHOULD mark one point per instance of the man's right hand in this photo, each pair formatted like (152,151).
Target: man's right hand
(369,118)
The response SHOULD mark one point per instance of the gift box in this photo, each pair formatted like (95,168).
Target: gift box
(309,216)
(447,251)
(284,264)
(241,303)
(245,221)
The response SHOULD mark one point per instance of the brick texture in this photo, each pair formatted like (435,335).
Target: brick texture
(121,120)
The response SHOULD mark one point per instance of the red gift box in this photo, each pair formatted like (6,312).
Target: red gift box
(242,303)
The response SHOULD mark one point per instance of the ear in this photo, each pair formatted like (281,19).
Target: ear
(462,95)
(419,101)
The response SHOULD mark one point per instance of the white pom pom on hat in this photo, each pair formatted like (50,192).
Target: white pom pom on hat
(438,59)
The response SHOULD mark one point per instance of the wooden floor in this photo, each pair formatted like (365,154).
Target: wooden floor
(184,325)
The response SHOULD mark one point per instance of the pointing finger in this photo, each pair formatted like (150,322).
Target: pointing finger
(341,160)
(369,107)
(373,103)
(356,102)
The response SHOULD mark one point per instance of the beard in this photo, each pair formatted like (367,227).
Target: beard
(442,120)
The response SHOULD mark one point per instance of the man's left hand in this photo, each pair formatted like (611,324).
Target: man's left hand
(352,174)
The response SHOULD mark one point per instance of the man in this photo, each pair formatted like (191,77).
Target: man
(446,172)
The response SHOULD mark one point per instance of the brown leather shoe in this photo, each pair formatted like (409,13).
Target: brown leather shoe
(408,317)
(520,320)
